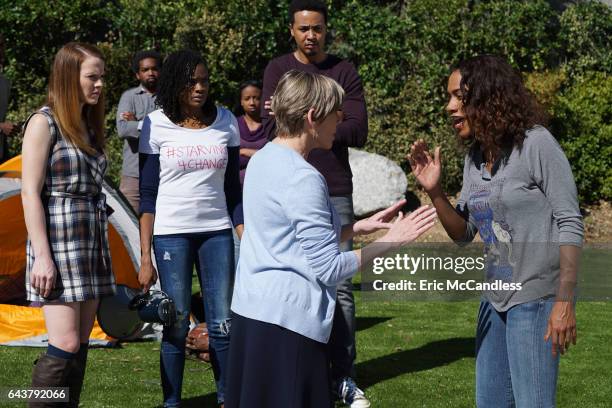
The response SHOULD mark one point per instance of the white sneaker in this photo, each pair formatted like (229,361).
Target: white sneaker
(351,394)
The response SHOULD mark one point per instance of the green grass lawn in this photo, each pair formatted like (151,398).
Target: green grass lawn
(410,354)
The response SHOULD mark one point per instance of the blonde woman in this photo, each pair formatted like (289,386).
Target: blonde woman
(68,261)
(290,262)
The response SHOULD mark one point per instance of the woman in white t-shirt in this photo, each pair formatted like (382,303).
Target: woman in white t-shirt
(190,198)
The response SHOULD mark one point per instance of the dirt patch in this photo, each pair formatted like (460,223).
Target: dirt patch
(598,222)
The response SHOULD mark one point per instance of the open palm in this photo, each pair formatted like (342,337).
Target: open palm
(426,169)
(380,220)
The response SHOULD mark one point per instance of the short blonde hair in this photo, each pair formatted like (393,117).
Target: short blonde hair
(296,93)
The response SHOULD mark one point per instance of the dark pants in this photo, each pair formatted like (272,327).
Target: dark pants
(129,188)
(272,367)
(342,341)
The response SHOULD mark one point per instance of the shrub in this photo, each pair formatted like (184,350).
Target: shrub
(582,123)
(546,85)
(402,51)
(236,42)
(586,37)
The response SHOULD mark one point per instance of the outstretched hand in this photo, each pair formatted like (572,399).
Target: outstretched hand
(407,228)
(378,221)
(426,169)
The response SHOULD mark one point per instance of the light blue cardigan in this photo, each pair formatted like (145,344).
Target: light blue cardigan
(290,262)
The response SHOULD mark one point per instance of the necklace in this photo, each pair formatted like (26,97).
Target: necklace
(192,123)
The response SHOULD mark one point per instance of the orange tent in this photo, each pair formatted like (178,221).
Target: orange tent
(21,324)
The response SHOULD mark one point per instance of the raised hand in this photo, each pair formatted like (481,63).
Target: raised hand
(268,106)
(426,169)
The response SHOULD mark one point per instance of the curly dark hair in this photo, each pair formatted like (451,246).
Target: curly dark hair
(176,74)
(140,55)
(496,103)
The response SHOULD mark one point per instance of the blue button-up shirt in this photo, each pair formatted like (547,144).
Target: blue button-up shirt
(140,102)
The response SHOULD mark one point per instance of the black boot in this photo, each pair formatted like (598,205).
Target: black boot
(50,371)
(77,374)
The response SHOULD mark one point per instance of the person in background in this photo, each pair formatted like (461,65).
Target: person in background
(190,199)
(252,136)
(285,293)
(6,127)
(519,195)
(68,258)
(308,27)
(134,105)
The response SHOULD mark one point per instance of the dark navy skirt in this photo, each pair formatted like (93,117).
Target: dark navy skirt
(273,367)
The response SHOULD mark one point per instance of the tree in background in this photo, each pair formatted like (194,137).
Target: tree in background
(403,50)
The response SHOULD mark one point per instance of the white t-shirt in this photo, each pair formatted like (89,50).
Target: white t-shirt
(192,163)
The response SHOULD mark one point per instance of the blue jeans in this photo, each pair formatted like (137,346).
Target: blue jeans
(213,256)
(236,248)
(514,365)
(342,340)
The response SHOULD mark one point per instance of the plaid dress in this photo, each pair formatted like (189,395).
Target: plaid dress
(77,224)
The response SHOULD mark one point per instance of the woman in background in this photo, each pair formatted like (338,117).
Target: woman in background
(252,137)
(68,258)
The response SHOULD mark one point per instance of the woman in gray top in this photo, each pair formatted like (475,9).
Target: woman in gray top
(519,194)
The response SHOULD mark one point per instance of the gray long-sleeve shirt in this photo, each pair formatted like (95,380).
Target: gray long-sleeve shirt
(523,212)
(140,102)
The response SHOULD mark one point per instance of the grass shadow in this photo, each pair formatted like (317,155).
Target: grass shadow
(364,323)
(431,355)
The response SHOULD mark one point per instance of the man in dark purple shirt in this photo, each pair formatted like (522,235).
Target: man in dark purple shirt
(308,25)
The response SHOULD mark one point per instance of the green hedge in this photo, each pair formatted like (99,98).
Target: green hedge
(582,119)
(402,50)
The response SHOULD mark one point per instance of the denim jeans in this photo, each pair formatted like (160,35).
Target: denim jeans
(514,365)
(213,256)
(236,248)
(342,340)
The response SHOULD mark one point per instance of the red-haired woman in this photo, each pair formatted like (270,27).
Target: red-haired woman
(68,261)
(519,195)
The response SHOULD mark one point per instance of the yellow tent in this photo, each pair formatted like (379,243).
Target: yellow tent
(21,324)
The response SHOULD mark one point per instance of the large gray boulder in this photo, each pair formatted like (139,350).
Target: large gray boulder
(377,182)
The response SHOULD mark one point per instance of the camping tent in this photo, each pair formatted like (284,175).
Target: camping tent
(21,324)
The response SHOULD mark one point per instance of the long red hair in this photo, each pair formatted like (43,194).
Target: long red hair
(65,96)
